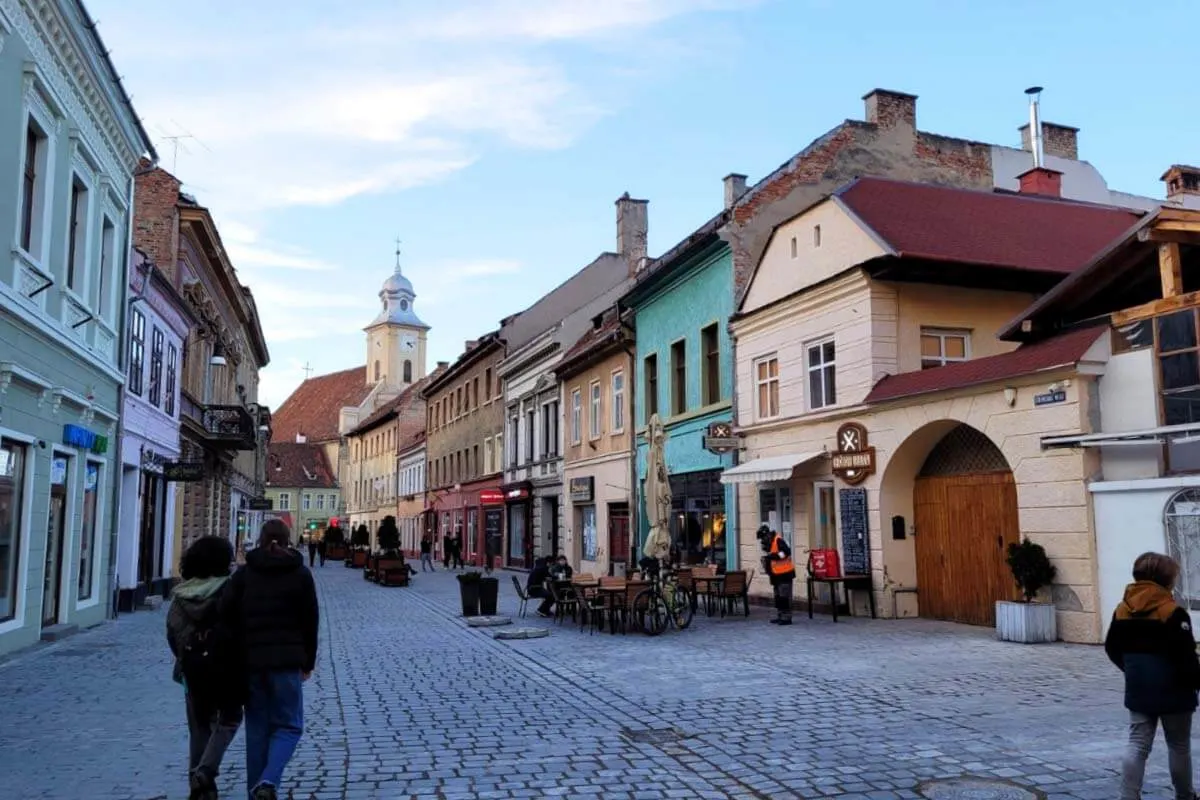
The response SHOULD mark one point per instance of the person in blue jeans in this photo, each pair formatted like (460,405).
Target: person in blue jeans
(272,604)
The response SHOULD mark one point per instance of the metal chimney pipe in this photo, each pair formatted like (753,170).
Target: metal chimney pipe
(1035,125)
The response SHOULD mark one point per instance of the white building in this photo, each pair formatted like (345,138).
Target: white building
(410,489)
(159,321)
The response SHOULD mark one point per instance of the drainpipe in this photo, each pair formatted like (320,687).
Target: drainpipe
(736,453)
(118,449)
(635,514)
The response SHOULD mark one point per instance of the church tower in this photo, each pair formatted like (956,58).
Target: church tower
(396,338)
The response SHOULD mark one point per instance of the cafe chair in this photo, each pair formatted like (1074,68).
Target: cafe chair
(521,594)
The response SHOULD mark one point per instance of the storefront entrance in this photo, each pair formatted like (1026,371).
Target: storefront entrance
(698,518)
(150,545)
(618,533)
(56,539)
(965,504)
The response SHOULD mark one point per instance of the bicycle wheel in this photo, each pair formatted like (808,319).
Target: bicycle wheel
(654,613)
(682,611)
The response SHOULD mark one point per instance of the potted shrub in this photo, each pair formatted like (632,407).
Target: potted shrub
(468,589)
(360,542)
(388,565)
(1027,621)
(335,543)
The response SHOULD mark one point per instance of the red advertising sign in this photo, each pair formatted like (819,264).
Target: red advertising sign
(491,497)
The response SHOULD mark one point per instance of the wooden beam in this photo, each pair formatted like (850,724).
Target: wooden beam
(1183,214)
(1183,226)
(1170,269)
(1168,235)
(1156,307)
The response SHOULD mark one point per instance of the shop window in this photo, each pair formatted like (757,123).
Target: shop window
(1182,520)
(586,516)
(594,410)
(710,343)
(651,387)
(137,350)
(766,379)
(618,401)
(87,532)
(679,378)
(156,366)
(576,416)
(12,504)
(822,374)
(824,533)
(941,347)
(698,518)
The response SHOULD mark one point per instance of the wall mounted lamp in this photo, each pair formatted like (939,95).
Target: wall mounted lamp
(1010,396)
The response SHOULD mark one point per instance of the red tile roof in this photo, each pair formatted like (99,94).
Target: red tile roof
(406,399)
(291,465)
(968,226)
(1060,351)
(313,408)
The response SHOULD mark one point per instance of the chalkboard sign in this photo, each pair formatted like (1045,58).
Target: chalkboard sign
(856,540)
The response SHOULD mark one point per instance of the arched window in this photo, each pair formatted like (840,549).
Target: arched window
(1182,519)
(376,371)
(408,372)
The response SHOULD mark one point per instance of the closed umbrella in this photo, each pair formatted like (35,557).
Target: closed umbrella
(658,492)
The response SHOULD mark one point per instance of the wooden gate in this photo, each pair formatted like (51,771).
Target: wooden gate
(964,524)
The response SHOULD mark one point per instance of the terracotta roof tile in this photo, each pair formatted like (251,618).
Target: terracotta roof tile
(291,465)
(405,399)
(969,226)
(1061,351)
(313,408)
(592,338)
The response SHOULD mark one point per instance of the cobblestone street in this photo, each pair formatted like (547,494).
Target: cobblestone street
(409,702)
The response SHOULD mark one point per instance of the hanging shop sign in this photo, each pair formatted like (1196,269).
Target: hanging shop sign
(854,460)
(491,497)
(583,489)
(720,439)
(80,437)
(183,471)
(516,494)
(260,504)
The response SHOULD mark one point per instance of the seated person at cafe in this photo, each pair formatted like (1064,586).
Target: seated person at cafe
(561,570)
(536,585)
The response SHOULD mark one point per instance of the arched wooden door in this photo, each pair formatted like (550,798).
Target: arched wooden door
(965,503)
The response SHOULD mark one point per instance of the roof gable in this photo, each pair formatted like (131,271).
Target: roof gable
(313,408)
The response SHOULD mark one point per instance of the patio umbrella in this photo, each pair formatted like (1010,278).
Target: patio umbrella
(658,492)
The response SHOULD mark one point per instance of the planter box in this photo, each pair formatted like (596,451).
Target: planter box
(469,593)
(358,559)
(336,553)
(1027,623)
(489,594)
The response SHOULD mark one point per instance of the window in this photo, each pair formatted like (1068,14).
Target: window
(576,417)
(33,189)
(651,387)
(169,389)
(711,343)
(12,502)
(285,501)
(108,253)
(942,347)
(137,350)
(407,371)
(822,386)
(320,502)
(1177,347)
(475,391)
(550,429)
(458,401)
(489,456)
(530,430)
(306,501)
(487,382)
(679,378)
(795,247)
(475,464)
(377,372)
(594,404)
(816,235)
(156,366)
(618,401)
(514,433)
(77,235)
(87,534)
(766,380)
(1183,544)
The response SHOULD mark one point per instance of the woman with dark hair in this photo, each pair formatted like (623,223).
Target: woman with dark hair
(205,662)
(1150,639)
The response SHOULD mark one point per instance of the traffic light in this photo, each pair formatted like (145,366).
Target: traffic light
(312,524)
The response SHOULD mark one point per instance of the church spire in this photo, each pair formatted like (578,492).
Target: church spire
(398,256)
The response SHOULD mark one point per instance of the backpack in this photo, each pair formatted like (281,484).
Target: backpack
(206,655)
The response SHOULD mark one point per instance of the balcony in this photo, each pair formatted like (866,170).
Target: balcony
(230,427)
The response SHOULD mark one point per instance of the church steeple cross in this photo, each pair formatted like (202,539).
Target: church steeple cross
(397,255)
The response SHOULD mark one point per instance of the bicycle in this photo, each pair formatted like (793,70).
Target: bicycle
(662,604)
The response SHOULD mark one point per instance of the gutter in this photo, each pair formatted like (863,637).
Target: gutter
(635,515)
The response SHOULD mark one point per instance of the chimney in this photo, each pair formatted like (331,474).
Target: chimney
(735,187)
(301,438)
(469,345)
(889,109)
(443,365)
(1181,180)
(632,228)
(1041,181)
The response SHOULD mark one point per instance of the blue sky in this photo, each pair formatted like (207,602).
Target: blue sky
(493,136)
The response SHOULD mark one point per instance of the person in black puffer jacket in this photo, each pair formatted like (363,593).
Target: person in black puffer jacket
(1150,639)
(272,605)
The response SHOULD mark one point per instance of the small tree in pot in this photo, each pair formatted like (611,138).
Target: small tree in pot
(335,543)
(360,542)
(1027,621)
(388,537)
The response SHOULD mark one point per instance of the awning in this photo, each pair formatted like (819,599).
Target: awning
(765,470)
(1179,434)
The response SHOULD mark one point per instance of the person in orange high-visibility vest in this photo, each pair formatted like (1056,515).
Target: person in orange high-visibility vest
(779,567)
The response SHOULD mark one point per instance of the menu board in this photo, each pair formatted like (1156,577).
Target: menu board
(856,541)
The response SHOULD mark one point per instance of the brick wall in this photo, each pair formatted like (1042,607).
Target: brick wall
(156,220)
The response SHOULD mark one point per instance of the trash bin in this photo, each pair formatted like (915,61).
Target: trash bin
(468,589)
(489,595)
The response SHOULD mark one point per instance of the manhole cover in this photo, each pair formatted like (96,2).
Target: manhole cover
(658,736)
(488,622)
(977,789)
(521,633)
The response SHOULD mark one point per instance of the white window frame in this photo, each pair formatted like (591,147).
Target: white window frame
(306,501)
(576,416)
(809,369)
(27,500)
(942,334)
(595,409)
(320,502)
(83,239)
(98,538)
(617,400)
(771,381)
(40,109)
(285,501)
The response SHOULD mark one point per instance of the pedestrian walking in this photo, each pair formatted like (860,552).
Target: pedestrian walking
(312,550)
(782,572)
(272,603)
(206,661)
(456,549)
(427,553)
(1150,639)
(321,550)
(447,550)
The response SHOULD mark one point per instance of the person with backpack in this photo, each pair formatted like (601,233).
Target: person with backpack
(206,661)
(272,605)
(1150,639)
